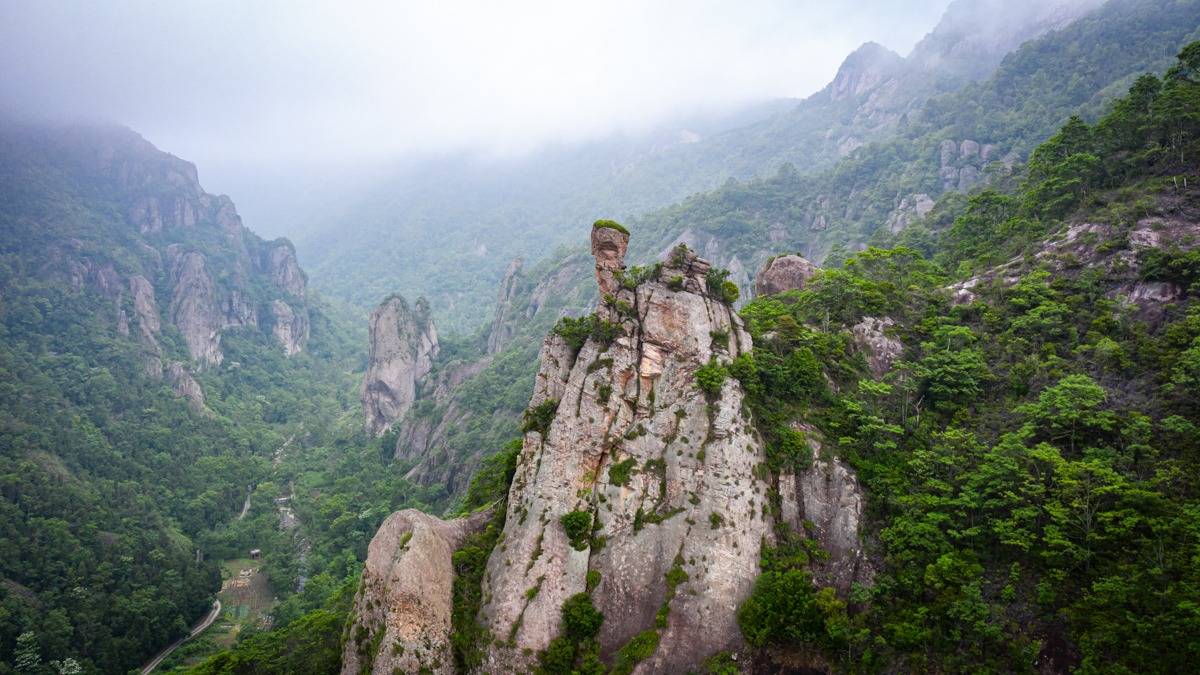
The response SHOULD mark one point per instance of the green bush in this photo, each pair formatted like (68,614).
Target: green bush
(719,285)
(578,525)
(610,224)
(710,377)
(581,619)
(784,608)
(729,292)
(619,473)
(576,331)
(789,451)
(638,649)
(539,417)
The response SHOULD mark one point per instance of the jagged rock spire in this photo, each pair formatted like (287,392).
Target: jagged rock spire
(609,243)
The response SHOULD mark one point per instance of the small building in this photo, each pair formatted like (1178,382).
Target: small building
(255,553)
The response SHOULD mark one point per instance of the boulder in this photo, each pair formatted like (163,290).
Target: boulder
(783,273)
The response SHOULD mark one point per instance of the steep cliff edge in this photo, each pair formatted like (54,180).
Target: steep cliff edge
(642,490)
(110,215)
(402,611)
(404,344)
(659,471)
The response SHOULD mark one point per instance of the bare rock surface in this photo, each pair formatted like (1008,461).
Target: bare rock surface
(404,344)
(827,502)
(668,474)
(872,340)
(783,273)
(401,615)
(193,307)
(502,329)
(290,327)
(608,247)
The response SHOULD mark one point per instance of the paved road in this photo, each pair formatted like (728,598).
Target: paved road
(196,630)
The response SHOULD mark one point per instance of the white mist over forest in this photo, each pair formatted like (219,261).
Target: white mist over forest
(247,89)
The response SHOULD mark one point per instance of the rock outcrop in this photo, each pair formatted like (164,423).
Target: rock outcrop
(432,442)
(910,209)
(404,344)
(608,247)
(641,481)
(502,326)
(877,347)
(783,273)
(193,307)
(289,327)
(402,611)
(160,252)
(826,501)
(667,473)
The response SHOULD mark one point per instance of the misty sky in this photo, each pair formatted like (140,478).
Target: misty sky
(268,82)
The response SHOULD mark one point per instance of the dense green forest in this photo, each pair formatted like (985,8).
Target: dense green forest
(120,498)
(1032,459)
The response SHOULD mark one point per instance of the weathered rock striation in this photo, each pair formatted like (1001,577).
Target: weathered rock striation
(667,473)
(828,498)
(404,344)
(502,325)
(634,484)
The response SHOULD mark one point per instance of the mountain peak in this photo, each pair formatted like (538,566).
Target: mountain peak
(973,36)
(864,69)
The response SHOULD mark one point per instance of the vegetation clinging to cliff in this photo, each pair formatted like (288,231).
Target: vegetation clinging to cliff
(1029,459)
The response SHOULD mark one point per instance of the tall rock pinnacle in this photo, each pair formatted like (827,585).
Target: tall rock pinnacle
(609,243)
(404,344)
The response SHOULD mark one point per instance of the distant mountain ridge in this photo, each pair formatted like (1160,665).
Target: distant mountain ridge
(481,215)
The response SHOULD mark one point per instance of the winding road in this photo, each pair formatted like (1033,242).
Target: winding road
(196,630)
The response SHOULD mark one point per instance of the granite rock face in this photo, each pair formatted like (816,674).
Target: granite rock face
(402,610)
(161,253)
(404,344)
(528,307)
(667,473)
(289,327)
(783,273)
(826,501)
(608,247)
(193,308)
(911,209)
(880,349)
(502,326)
(668,480)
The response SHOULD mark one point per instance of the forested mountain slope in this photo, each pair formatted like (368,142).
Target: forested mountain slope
(1018,448)
(955,143)
(739,226)
(445,229)
(155,356)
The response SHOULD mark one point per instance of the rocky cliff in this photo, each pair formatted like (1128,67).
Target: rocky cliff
(164,254)
(457,427)
(404,344)
(401,616)
(662,473)
(641,482)
(503,326)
